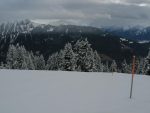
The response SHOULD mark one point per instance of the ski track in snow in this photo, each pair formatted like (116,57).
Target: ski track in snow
(72,92)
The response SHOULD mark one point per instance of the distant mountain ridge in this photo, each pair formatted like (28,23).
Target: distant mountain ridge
(47,39)
(134,33)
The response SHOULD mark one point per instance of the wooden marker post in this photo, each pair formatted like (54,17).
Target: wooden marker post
(133,72)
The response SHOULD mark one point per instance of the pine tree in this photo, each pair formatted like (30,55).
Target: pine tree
(40,62)
(11,57)
(137,66)
(33,59)
(106,67)
(148,63)
(144,67)
(21,55)
(89,62)
(140,66)
(125,67)
(52,63)
(113,66)
(2,65)
(19,58)
(29,62)
(60,60)
(85,56)
(69,58)
(24,65)
(98,63)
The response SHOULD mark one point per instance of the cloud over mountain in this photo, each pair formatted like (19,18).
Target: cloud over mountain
(91,12)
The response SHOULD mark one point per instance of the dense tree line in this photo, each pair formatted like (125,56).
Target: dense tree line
(19,58)
(74,57)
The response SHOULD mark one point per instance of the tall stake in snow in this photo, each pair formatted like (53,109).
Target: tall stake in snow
(133,72)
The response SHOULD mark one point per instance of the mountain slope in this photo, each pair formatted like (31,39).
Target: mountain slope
(47,39)
(134,33)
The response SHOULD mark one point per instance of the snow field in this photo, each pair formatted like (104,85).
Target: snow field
(72,92)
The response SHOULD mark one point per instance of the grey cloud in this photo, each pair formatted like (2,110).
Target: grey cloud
(138,1)
(93,12)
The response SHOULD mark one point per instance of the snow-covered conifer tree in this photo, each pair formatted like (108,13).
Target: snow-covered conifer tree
(60,60)
(21,55)
(29,62)
(142,66)
(137,66)
(98,63)
(52,63)
(11,57)
(40,62)
(85,56)
(18,58)
(148,63)
(2,65)
(69,58)
(113,66)
(106,67)
(89,62)
(125,67)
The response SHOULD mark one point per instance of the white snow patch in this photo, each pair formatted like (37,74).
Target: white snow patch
(50,30)
(72,92)
(130,42)
(123,39)
(143,41)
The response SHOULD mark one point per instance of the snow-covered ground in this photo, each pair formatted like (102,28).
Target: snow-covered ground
(72,92)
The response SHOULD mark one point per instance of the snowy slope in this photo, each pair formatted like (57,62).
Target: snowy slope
(72,92)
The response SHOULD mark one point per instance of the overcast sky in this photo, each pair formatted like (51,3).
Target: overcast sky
(91,12)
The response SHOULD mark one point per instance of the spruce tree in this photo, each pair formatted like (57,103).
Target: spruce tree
(68,58)
(18,58)
(98,63)
(10,56)
(113,66)
(85,56)
(2,65)
(29,62)
(106,67)
(148,63)
(125,67)
(52,63)
(40,62)
(21,55)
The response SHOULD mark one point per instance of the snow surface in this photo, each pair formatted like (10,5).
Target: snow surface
(72,92)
